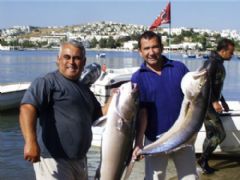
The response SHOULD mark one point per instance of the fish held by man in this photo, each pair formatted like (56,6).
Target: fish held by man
(196,89)
(117,142)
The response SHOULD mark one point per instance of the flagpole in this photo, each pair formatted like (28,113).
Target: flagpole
(169,41)
(169,29)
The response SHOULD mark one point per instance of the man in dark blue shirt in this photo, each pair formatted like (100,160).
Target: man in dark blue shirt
(66,109)
(161,97)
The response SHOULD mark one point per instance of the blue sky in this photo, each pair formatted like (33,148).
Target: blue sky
(211,14)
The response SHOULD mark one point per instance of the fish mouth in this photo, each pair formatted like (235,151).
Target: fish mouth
(135,92)
(131,102)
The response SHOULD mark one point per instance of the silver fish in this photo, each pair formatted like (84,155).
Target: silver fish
(196,88)
(90,73)
(117,142)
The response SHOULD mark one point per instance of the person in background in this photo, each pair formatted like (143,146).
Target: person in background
(159,80)
(65,109)
(215,132)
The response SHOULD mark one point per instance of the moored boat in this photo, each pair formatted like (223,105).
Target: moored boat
(11,95)
(231,123)
(231,120)
(101,55)
(110,79)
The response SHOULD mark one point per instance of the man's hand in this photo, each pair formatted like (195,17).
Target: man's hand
(32,152)
(136,154)
(217,106)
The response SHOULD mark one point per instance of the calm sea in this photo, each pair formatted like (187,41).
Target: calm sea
(22,66)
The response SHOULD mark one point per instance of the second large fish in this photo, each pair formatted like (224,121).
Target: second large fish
(196,88)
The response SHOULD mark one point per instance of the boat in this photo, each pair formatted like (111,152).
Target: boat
(101,55)
(6,48)
(11,95)
(113,78)
(191,56)
(205,56)
(110,79)
(231,123)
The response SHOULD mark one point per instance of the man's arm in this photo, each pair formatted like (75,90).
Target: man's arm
(28,121)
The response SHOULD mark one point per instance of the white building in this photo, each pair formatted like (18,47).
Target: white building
(130,45)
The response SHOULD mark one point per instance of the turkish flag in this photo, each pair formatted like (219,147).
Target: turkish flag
(164,18)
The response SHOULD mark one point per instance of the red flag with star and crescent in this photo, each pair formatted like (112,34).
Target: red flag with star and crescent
(164,18)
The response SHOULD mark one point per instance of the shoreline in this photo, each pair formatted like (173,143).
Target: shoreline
(195,52)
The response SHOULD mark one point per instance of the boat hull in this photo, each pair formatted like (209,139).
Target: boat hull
(109,80)
(11,95)
(231,123)
(10,100)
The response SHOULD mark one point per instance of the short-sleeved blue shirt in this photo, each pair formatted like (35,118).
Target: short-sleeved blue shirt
(66,110)
(161,95)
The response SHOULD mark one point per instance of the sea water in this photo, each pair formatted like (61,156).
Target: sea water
(22,66)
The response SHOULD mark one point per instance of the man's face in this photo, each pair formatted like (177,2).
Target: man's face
(150,51)
(71,62)
(227,54)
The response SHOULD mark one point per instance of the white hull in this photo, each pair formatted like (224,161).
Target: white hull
(109,80)
(231,123)
(11,95)
(101,55)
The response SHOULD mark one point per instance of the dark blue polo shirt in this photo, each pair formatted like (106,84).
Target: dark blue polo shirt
(161,95)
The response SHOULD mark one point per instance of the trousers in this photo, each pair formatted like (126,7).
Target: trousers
(61,169)
(183,158)
(215,133)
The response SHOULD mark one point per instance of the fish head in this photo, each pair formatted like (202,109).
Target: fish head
(193,83)
(127,100)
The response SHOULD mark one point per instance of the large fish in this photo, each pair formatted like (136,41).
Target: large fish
(196,88)
(117,142)
(90,73)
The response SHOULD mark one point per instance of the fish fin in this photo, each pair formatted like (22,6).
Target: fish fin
(129,169)
(97,174)
(177,148)
(101,121)
(197,74)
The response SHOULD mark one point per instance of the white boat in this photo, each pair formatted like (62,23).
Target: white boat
(231,123)
(193,56)
(11,95)
(101,55)
(5,48)
(231,120)
(115,77)
(110,79)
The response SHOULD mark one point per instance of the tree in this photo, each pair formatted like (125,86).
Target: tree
(118,43)
(103,43)
(93,43)
(177,39)
(111,42)
(3,42)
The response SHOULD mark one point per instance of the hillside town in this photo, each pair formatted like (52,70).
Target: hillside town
(111,35)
